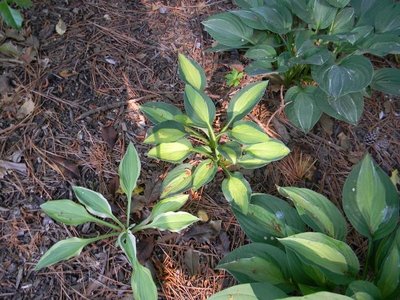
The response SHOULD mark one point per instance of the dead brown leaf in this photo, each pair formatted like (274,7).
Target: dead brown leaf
(5,166)
(192,261)
(109,135)
(145,249)
(68,168)
(26,109)
(203,233)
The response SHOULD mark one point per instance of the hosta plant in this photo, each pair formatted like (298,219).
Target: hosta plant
(93,207)
(12,17)
(287,258)
(176,136)
(321,50)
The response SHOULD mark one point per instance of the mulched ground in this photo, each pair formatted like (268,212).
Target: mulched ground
(68,110)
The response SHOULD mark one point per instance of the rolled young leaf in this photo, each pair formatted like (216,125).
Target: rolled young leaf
(129,170)
(164,132)
(172,221)
(169,204)
(191,72)
(174,152)
(247,132)
(67,212)
(204,173)
(127,242)
(177,180)
(237,191)
(158,112)
(199,107)
(272,150)
(250,291)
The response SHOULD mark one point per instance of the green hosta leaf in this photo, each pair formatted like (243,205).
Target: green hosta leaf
(199,107)
(262,52)
(312,56)
(323,14)
(344,20)
(383,248)
(387,80)
(246,4)
(338,3)
(303,111)
(352,74)
(228,30)
(388,19)
(269,217)
(142,284)
(67,212)
(245,100)
(11,16)
(205,150)
(158,112)
(363,290)
(381,44)
(169,204)
(247,132)
(250,19)
(250,291)
(204,173)
(334,258)
(237,191)
(178,180)
(272,150)
(129,170)
(23,3)
(127,242)
(164,132)
(300,8)
(230,151)
(259,67)
(319,296)
(317,211)
(275,17)
(172,221)
(250,162)
(94,202)
(370,200)
(62,250)
(191,72)
(174,152)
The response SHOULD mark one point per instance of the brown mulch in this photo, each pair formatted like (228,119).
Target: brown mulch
(86,86)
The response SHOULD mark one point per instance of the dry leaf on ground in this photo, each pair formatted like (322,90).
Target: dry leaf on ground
(61,28)
(26,109)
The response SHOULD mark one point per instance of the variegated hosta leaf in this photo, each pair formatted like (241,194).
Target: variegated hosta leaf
(319,296)
(199,107)
(247,132)
(231,151)
(271,150)
(191,72)
(167,131)
(204,173)
(67,212)
(237,191)
(174,152)
(169,204)
(172,221)
(177,180)
(158,112)
(129,170)
(248,161)
(361,289)
(250,291)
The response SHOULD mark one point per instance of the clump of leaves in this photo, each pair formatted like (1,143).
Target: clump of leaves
(285,258)
(234,77)
(318,47)
(95,208)
(12,17)
(240,143)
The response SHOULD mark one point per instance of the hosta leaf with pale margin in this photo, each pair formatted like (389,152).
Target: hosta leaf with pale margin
(230,151)
(268,217)
(246,4)
(142,284)
(11,16)
(250,291)
(228,30)
(191,72)
(317,211)
(387,80)
(352,74)
(383,247)
(333,257)
(204,173)
(94,202)
(167,131)
(199,107)
(276,17)
(174,152)
(319,296)
(302,111)
(360,289)
(323,14)
(250,162)
(344,21)
(247,132)
(237,191)
(338,3)
(158,112)
(127,242)
(271,150)
(262,52)
(23,3)
(67,212)
(245,100)
(250,19)
(177,180)
(173,203)
(381,44)
(205,150)
(388,19)
(129,170)
(172,221)
(62,250)
(370,200)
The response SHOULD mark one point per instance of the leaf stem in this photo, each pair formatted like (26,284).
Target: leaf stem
(367,261)
(104,236)
(105,223)
(197,135)
(128,211)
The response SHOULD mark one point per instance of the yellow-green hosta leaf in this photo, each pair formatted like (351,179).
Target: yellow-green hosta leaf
(191,72)
(67,212)
(169,204)
(167,131)
(319,296)
(142,284)
(269,151)
(245,100)
(363,290)
(230,151)
(237,191)
(129,170)
(94,202)
(247,132)
(250,291)
(199,107)
(204,173)
(62,250)
(172,221)
(177,180)
(248,161)
(158,112)
(174,152)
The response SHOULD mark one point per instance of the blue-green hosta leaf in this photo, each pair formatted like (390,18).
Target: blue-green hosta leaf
(174,152)
(338,3)
(302,110)
(380,44)
(323,14)
(269,217)
(158,112)
(245,100)
(11,16)
(261,52)
(237,191)
(355,35)
(129,170)
(94,202)
(172,221)
(363,290)
(370,200)
(251,19)
(230,151)
(250,291)
(67,212)
(173,203)
(204,173)
(271,150)
(228,30)
(387,80)
(191,72)
(300,9)
(276,17)
(164,132)
(319,296)
(246,4)
(259,67)
(312,56)
(177,180)
(344,21)
(62,250)
(199,107)
(247,132)
(317,211)
(352,74)
(388,19)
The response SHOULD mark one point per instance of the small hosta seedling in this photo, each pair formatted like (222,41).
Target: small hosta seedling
(94,207)
(176,136)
